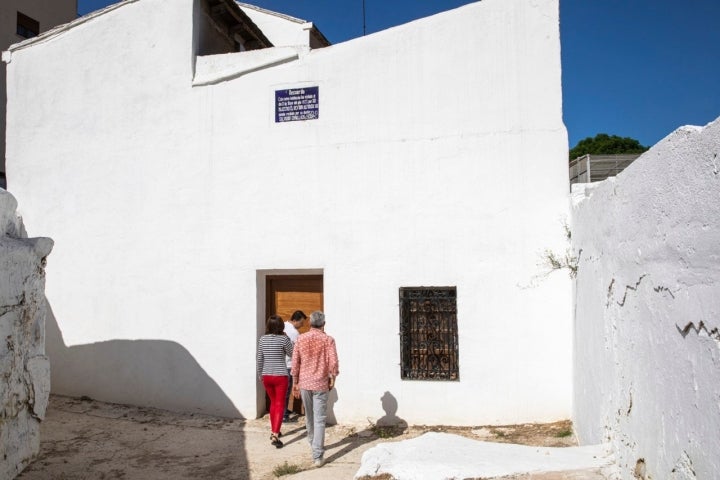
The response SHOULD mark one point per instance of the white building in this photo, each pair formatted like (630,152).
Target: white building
(201,165)
(20,19)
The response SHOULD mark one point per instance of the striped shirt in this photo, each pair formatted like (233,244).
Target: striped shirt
(315,361)
(271,353)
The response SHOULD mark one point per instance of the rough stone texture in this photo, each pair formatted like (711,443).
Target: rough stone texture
(24,368)
(647,347)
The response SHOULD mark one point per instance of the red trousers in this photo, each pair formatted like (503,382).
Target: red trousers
(276,387)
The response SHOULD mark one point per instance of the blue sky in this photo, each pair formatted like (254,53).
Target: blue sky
(634,68)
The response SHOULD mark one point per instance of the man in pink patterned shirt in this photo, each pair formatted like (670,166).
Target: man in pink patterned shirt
(314,368)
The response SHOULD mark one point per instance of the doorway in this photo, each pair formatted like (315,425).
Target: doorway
(286,293)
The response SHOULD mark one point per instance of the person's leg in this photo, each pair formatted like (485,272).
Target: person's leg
(280,391)
(286,417)
(319,417)
(275,386)
(307,400)
(268,384)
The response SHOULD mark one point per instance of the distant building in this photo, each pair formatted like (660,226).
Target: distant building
(594,168)
(20,20)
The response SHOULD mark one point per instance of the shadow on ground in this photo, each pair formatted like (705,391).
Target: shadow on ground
(158,373)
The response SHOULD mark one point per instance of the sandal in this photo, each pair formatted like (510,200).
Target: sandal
(274,441)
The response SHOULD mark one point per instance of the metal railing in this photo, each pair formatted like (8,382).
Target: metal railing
(594,168)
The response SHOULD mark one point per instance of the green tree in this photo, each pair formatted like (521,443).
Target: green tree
(605,144)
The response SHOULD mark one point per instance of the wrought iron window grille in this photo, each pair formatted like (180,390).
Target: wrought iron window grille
(429,334)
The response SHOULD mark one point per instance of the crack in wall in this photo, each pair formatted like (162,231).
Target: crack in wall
(610,292)
(5,309)
(664,289)
(630,287)
(699,328)
(684,467)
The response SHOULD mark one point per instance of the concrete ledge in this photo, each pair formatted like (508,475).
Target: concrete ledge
(212,69)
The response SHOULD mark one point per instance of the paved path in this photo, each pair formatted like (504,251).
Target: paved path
(85,439)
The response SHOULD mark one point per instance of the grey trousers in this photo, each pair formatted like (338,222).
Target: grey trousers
(315,403)
(286,415)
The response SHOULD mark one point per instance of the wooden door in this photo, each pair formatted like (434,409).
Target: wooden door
(287,293)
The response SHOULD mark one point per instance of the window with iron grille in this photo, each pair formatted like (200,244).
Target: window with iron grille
(428,333)
(27,27)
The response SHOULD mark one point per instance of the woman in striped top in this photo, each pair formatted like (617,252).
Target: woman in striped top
(272,370)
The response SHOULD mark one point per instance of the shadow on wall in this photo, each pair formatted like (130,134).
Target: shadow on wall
(333,397)
(390,419)
(150,373)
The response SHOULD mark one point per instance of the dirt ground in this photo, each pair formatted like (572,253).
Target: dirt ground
(87,439)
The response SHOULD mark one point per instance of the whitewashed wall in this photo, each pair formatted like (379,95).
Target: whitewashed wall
(647,347)
(48,13)
(439,159)
(24,368)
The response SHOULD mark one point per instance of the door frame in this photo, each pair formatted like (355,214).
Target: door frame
(262,302)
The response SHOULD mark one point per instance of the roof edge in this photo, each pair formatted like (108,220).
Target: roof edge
(313,30)
(60,29)
(243,17)
(271,12)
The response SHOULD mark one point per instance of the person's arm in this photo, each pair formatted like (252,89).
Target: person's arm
(333,363)
(295,368)
(288,346)
(259,359)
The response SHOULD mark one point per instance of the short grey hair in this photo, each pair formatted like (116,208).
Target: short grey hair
(317,319)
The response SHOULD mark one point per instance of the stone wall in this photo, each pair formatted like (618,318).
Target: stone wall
(24,368)
(647,346)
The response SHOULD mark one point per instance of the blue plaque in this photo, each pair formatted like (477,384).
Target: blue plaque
(297,104)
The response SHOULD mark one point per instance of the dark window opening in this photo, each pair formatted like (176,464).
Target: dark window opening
(428,333)
(226,28)
(26,26)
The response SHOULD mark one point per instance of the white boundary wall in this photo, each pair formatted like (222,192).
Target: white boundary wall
(647,346)
(439,159)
